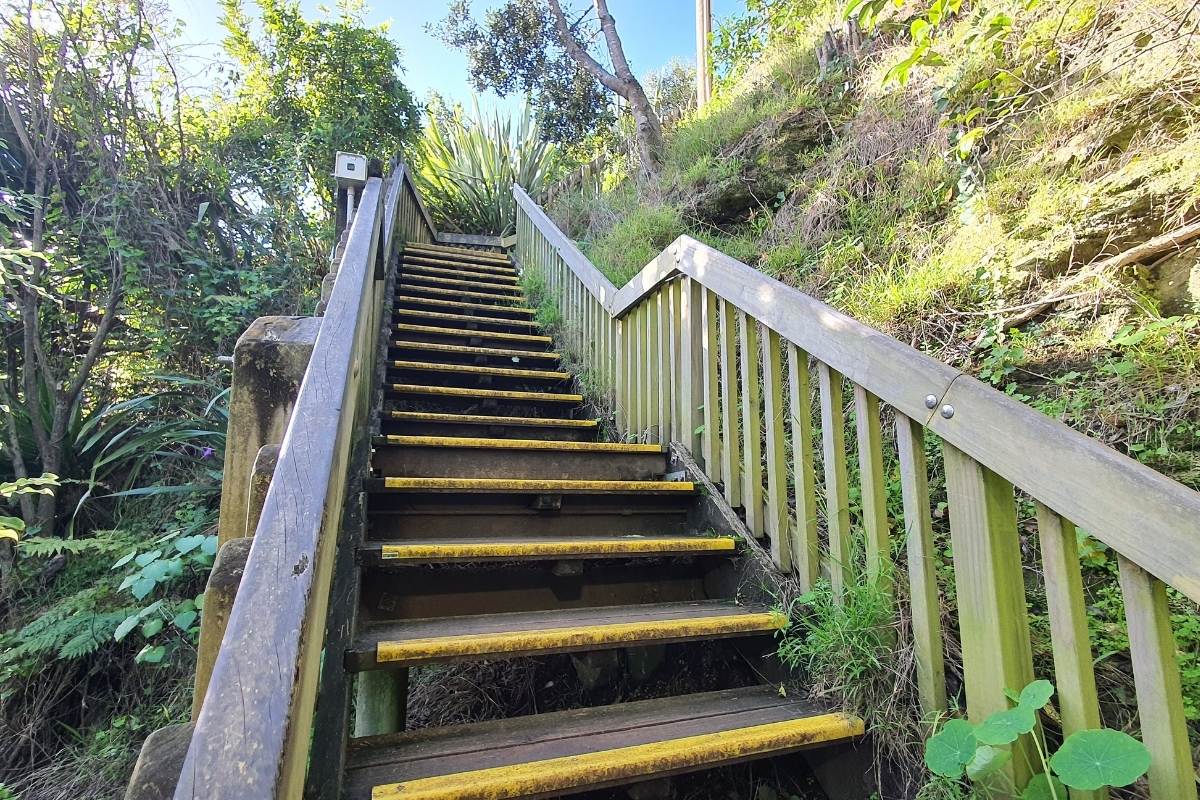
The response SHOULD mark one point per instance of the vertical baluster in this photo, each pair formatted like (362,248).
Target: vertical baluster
(653,370)
(662,333)
(922,569)
(752,489)
(630,334)
(1156,678)
(621,382)
(993,618)
(837,501)
(676,352)
(644,397)
(1074,678)
(871,483)
(731,421)
(691,369)
(773,419)
(806,557)
(711,413)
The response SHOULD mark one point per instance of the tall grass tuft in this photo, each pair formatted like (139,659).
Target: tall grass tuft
(466,168)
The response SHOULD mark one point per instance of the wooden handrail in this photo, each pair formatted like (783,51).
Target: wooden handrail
(1082,478)
(252,736)
(690,349)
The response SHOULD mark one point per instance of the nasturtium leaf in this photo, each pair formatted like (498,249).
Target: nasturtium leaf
(1096,758)
(948,753)
(1039,788)
(209,546)
(1036,695)
(987,760)
(143,587)
(151,627)
(125,627)
(187,544)
(1004,727)
(146,558)
(151,654)
(184,619)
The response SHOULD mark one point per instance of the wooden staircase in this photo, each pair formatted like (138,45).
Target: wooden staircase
(499,527)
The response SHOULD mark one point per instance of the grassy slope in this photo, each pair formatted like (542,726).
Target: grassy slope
(881,219)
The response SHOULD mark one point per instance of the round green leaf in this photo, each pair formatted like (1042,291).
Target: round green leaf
(125,627)
(1036,695)
(146,558)
(1092,759)
(151,627)
(209,546)
(187,544)
(1039,788)
(143,587)
(151,654)
(184,619)
(948,753)
(987,760)
(1004,727)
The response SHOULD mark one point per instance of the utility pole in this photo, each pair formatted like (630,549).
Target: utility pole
(703,60)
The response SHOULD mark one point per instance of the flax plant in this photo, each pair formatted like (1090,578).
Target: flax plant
(466,168)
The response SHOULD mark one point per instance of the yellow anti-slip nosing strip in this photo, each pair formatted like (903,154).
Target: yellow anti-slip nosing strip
(421,269)
(470,369)
(490,307)
(577,637)
(555,548)
(527,324)
(516,337)
(445,248)
(485,419)
(551,486)
(524,444)
(437,279)
(411,287)
(553,776)
(495,394)
(467,350)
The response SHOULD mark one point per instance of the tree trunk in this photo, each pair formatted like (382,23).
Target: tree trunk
(648,128)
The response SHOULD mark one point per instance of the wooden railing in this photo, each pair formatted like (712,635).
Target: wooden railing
(705,351)
(252,736)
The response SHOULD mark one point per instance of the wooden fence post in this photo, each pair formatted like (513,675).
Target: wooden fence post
(268,365)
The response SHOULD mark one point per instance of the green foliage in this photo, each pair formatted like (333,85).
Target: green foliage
(515,50)
(465,169)
(1087,760)
(635,241)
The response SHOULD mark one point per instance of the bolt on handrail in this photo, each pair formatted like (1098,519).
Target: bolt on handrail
(701,349)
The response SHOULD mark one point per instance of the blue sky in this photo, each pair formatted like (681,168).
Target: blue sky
(653,31)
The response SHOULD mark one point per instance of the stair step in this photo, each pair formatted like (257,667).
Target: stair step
(486,394)
(441,331)
(411,288)
(529,486)
(485,419)
(471,369)
(475,308)
(454,262)
(532,548)
(462,274)
(442,249)
(438,316)
(463,457)
(520,444)
(411,642)
(473,352)
(453,283)
(567,752)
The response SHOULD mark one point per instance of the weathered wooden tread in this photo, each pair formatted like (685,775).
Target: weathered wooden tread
(440,639)
(474,307)
(472,369)
(418,288)
(467,350)
(421,269)
(519,444)
(464,319)
(488,255)
(453,262)
(532,548)
(437,280)
(486,394)
(514,337)
(530,486)
(486,419)
(571,751)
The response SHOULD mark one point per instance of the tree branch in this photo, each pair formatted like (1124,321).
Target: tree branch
(615,50)
(581,55)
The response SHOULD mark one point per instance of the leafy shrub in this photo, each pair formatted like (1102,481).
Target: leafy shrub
(466,169)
